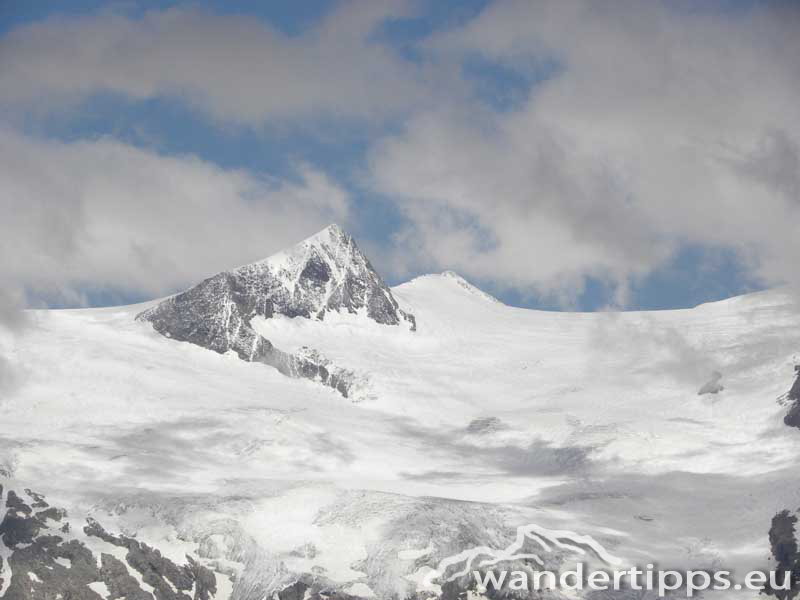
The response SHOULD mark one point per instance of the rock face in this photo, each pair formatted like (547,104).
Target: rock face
(41,559)
(48,554)
(784,546)
(325,273)
(792,418)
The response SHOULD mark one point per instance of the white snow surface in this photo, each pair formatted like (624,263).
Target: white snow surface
(100,588)
(601,431)
(327,242)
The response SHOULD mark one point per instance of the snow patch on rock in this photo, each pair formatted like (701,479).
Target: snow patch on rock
(323,275)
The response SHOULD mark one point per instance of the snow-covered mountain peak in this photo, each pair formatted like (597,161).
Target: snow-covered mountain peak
(320,265)
(324,273)
(331,234)
(466,285)
(331,242)
(447,283)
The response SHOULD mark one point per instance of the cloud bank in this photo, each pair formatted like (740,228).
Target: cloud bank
(232,68)
(105,215)
(661,127)
(634,129)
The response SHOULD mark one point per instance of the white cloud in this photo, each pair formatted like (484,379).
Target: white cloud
(109,216)
(662,127)
(235,68)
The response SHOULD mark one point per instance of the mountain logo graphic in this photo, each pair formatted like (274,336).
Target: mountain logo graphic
(547,539)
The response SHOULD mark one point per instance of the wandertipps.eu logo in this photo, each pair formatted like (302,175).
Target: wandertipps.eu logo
(486,568)
(530,544)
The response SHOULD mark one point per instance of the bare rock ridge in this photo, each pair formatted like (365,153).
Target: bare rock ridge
(792,418)
(48,554)
(323,274)
(783,534)
(784,546)
(44,560)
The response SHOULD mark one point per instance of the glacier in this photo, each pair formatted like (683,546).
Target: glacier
(157,429)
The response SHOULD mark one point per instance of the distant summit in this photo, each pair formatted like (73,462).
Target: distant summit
(460,281)
(324,273)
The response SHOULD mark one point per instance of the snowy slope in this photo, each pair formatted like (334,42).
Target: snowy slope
(485,418)
(323,274)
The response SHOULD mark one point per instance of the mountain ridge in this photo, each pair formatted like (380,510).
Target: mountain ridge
(586,420)
(324,273)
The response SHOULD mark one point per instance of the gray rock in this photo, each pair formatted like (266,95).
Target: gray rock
(784,546)
(37,574)
(792,418)
(325,273)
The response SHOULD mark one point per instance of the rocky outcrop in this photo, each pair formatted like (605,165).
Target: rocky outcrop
(47,560)
(324,274)
(784,547)
(792,418)
(41,560)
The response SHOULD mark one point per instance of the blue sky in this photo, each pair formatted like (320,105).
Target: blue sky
(561,156)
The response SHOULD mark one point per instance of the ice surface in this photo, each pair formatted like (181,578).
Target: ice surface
(602,433)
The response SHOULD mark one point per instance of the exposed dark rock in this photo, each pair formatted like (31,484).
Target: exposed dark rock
(38,499)
(14,502)
(296,591)
(325,273)
(300,590)
(18,526)
(156,570)
(204,579)
(56,514)
(51,578)
(38,570)
(792,418)
(783,543)
(121,584)
(35,571)
(51,566)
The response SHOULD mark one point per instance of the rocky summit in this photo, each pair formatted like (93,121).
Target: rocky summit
(323,274)
(792,418)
